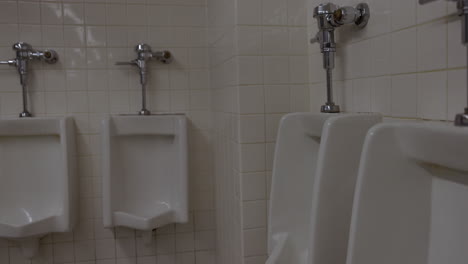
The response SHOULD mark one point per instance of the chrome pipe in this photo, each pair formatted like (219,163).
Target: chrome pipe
(329,85)
(25,112)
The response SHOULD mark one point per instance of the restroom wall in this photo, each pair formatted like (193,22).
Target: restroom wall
(90,36)
(407,63)
(272,81)
(259,72)
(223,66)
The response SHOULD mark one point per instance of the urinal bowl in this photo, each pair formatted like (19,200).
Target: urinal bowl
(38,176)
(145,171)
(314,152)
(411,196)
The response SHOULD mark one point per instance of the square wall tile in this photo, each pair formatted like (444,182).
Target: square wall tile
(356,51)
(252,157)
(105,249)
(96,36)
(362,95)
(432,95)
(298,41)
(403,14)
(274,12)
(275,40)
(9,12)
(299,98)
(276,69)
(297,12)
(137,15)
(432,46)
(380,53)
(52,35)
(250,70)
(74,36)
(159,15)
(253,186)
(73,13)
(381,95)
(298,69)
(255,242)
(205,240)
(456,92)
(9,34)
(254,214)
(51,13)
(251,99)
(28,12)
(249,12)
(116,14)
(404,95)
(251,128)
(95,13)
(404,51)
(277,99)
(31,34)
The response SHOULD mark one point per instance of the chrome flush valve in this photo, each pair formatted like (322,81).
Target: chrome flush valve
(24,54)
(329,16)
(144,54)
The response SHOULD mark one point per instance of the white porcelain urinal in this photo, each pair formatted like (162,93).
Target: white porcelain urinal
(37,179)
(316,162)
(411,203)
(145,171)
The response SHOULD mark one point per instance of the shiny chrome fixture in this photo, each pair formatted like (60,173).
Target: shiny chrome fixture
(462,118)
(24,54)
(145,54)
(330,16)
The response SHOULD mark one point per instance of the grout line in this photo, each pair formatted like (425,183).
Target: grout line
(396,74)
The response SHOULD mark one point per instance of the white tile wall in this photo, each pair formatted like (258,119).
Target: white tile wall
(90,35)
(259,73)
(223,65)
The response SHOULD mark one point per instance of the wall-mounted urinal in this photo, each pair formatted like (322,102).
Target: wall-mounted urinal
(37,179)
(145,171)
(411,201)
(315,166)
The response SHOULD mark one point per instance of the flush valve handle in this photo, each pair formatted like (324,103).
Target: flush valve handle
(8,62)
